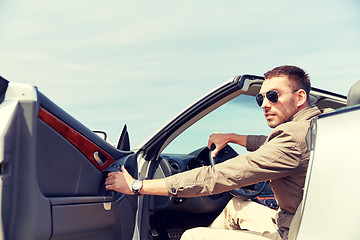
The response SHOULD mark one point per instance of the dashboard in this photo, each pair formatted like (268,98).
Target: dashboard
(171,164)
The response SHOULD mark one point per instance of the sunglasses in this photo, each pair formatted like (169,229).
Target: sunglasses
(272,96)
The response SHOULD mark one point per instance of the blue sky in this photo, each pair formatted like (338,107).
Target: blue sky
(141,62)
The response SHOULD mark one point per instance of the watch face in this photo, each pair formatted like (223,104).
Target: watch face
(136,186)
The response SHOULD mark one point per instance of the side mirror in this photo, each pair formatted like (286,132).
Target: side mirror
(124,140)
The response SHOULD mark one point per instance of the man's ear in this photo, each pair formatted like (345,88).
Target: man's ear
(302,97)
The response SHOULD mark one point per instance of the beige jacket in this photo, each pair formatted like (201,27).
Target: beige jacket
(283,159)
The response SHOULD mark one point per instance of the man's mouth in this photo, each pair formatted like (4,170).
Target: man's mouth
(269,115)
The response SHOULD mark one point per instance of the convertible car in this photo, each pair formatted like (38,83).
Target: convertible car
(53,168)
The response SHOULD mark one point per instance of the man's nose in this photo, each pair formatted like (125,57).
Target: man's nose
(265,104)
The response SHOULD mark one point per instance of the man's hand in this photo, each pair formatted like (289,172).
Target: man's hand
(120,182)
(221,139)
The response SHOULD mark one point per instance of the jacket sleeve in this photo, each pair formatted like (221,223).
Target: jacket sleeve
(253,142)
(279,157)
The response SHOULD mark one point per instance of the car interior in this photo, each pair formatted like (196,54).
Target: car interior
(169,217)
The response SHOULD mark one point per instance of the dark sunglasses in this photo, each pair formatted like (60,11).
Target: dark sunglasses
(271,95)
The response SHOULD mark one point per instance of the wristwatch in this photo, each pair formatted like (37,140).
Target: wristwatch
(136,186)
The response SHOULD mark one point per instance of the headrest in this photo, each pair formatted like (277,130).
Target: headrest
(353,96)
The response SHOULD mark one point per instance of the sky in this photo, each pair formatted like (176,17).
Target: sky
(140,63)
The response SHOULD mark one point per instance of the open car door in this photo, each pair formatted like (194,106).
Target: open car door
(53,170)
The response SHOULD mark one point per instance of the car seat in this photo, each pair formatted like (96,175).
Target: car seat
(353,96)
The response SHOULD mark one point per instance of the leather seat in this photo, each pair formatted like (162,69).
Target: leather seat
(353,96)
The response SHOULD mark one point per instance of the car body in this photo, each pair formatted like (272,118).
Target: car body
(54,167)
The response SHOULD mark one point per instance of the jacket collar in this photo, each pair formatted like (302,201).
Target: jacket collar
(305,114)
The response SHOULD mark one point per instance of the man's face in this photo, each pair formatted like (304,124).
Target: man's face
(286,106)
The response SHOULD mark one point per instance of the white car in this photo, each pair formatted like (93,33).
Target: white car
(53,168)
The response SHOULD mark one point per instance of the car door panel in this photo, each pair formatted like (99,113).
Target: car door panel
(53,187)
(26,213)
(109,220)
(84,221)
(59,166)
(73,178)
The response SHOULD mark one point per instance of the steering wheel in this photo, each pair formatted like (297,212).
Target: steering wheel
(250,191)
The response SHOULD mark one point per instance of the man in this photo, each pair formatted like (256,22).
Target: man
(282,158)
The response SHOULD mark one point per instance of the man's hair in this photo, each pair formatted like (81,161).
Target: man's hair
(297,76)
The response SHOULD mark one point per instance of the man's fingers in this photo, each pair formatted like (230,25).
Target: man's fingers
(111,174)
(209,144)
(109,181)
(215,152)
